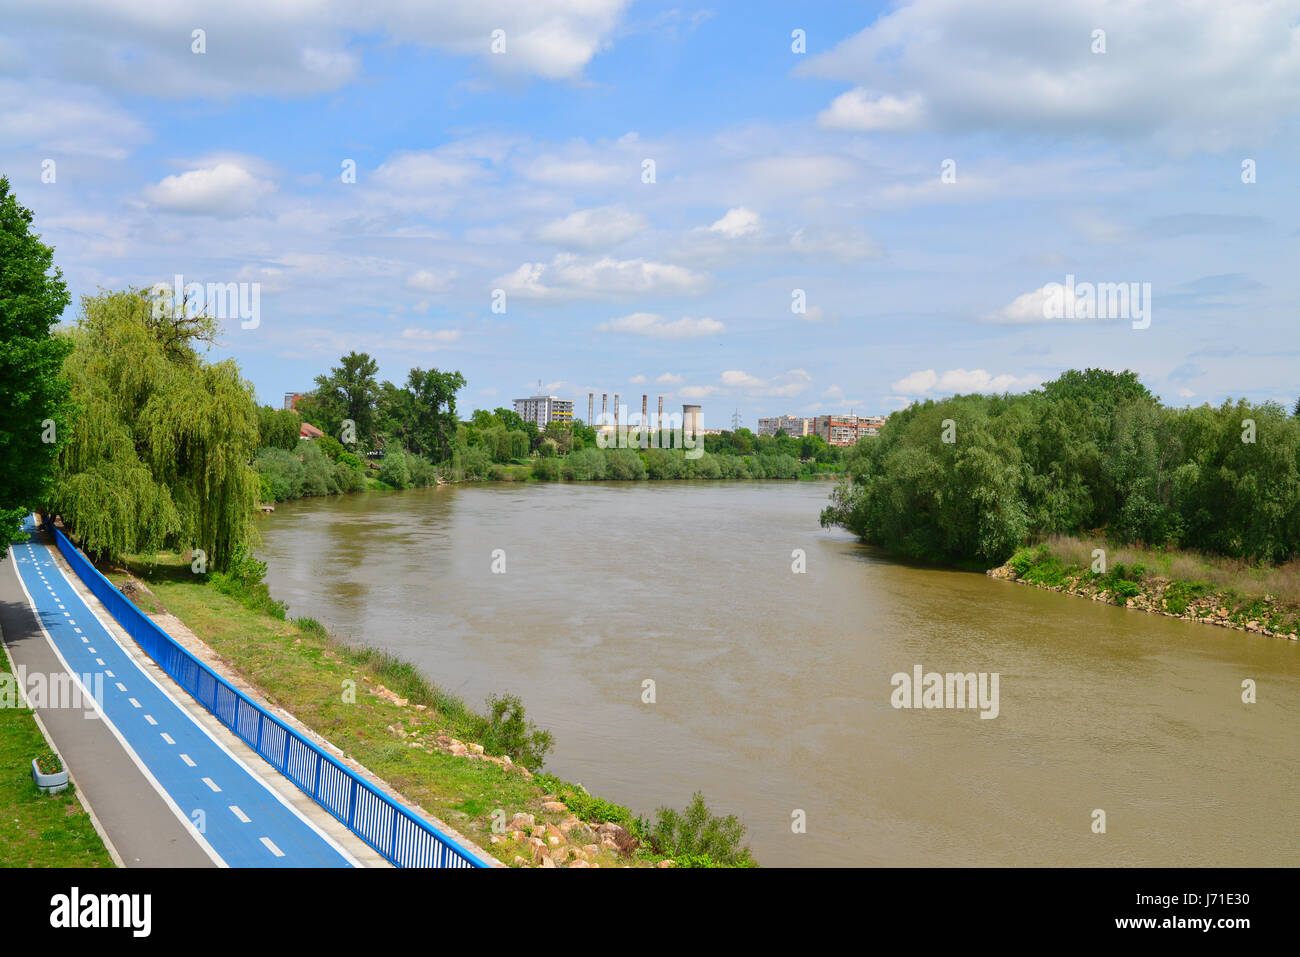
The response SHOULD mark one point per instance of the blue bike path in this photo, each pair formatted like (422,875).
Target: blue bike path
(238,819)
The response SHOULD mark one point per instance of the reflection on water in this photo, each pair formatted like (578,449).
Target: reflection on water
(773,688)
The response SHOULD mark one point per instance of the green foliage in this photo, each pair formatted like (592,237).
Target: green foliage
(160,448)
(696,831)
(624,465)
(33,390)
(546,469)
(474,463)
(585,465)
(1091,450)
(393,471)
(277,428)
(348,392)
(506,730)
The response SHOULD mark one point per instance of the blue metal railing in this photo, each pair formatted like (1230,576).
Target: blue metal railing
(401,837)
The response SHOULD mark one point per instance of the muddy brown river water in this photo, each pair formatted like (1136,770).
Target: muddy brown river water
(773,688)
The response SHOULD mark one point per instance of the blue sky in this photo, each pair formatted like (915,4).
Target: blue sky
(775,171)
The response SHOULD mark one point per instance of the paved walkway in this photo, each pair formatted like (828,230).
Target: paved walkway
(163,787)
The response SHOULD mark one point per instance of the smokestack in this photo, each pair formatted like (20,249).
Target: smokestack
(616,411)
(645,424)
(604,408)
(591,402)
(659,420)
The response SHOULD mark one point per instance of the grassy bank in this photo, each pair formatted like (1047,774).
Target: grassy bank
(421,740)
(38,830)
(1182,584)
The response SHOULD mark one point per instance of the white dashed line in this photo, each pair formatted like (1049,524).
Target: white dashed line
(120,686)
(150,719)
(270,846)
(92,651)
(166,737)
(187,759)
(243,818)
(100,662)
(134,703)
(212,784)
(108,674)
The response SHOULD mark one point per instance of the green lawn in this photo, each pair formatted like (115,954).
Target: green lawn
(38,830)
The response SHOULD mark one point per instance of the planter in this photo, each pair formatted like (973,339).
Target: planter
(50,783)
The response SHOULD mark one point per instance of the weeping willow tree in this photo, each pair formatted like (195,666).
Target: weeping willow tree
(161,441)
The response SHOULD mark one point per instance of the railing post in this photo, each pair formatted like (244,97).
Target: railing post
(260,715)
(352,804)
(315,788)
(392,842)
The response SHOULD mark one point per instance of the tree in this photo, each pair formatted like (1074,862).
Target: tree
(33,391)
(349,392)
(433,408)
(160,449)
(278,428)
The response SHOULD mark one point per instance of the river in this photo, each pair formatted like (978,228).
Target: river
(773,688)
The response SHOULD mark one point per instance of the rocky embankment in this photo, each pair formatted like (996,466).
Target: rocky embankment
(1160,596)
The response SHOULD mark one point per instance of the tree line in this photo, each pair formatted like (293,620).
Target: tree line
(1092,453)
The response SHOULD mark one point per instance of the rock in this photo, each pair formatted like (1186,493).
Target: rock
(458,749)
(495,839)
(522,820)
(580,864)
(554,832)
(539,831)
(560,855)
(519,861)
(556,807)
(666,864)
(476,748)
(591,849)
(608,843)
(547,862)
(537,848)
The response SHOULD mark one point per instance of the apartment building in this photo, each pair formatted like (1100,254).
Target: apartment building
(845,430)
(795,426)
(544,409)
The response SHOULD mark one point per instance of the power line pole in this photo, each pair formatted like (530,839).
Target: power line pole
(735,420)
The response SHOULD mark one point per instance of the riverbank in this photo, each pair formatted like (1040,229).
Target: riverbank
(1176,584)
(451,762)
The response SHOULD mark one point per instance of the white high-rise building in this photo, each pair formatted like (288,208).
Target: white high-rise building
(544,409)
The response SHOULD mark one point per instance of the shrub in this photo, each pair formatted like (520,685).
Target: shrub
(393,472)
(547,470)
(280,471)
(422,471)
(47,762)
(698,832)
(475,462)
(585,465)
(624,465)
(507,730)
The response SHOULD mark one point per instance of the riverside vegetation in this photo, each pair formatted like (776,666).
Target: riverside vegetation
(1206,499)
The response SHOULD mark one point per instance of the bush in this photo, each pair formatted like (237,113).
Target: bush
(547,470)
(698,832)
(281,473)
(507,730)
(422,471)
(393,471)
(317,470)
(624,465)
(585,465)
(475,462)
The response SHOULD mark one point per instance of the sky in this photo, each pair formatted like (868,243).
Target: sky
(914,175)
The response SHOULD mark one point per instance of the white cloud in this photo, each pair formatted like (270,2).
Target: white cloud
(857,110)
(697,391)
(656,327)
(426,281)
(737,379)
(224,190)
(669,378)
(1203,74)
(571,277)
(736,223)
(593,228)
(297,48)
(66,119)
(636,379)
(956,381)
